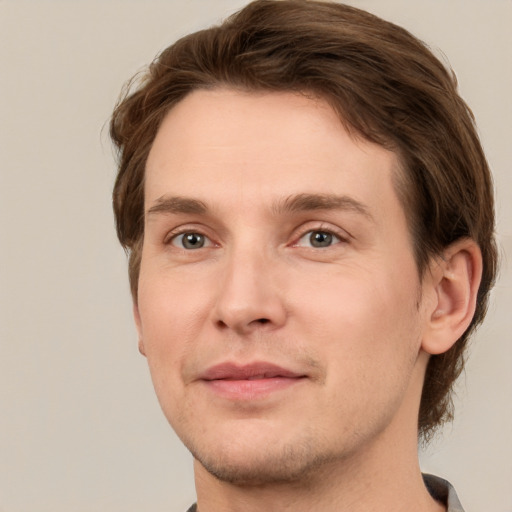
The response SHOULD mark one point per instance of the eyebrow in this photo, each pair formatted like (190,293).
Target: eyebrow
(177,204)
(291,204)
(310,202)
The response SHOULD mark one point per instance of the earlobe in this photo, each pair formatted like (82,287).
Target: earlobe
(138,325)
(455,278)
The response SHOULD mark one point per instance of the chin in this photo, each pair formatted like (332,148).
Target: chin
(254,466)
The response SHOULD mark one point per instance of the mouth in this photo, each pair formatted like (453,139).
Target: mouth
(249,382)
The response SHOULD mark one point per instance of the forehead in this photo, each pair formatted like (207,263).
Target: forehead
(219,144)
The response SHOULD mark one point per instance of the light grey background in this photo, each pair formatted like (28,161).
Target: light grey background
(80,429)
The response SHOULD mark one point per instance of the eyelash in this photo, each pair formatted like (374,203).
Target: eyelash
(340,238)
(175,234)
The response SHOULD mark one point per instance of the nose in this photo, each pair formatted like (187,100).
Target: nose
(250,297)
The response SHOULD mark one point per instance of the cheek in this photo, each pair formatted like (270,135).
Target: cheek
(171,316)
(366,334)
(171,303)
(162,326)
(363,321)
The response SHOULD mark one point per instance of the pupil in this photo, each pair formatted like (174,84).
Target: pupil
(320,239)
(193,241)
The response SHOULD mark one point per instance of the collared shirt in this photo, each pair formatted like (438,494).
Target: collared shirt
(440,489)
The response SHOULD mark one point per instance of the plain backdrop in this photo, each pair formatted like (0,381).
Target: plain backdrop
(80,428)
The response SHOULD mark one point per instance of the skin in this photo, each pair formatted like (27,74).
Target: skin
(240,188)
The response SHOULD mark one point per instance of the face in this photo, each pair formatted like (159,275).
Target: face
(279,303)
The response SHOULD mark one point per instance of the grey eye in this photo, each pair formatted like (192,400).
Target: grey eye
(320,239)
(190,241)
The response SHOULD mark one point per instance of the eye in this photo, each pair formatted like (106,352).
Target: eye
(318,239)
(190,240)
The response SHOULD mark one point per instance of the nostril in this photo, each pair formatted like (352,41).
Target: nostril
(240,325)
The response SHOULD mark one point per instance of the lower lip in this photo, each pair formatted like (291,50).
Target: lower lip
(250,389)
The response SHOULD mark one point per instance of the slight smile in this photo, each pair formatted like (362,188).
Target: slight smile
(249,382)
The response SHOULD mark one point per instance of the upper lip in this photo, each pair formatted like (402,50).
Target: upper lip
(258,370)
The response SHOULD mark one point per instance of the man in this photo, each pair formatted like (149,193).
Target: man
(309,217)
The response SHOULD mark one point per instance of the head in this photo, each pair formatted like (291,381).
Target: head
(386,88)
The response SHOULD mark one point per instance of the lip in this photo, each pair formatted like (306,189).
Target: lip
(249,382)
(253,371)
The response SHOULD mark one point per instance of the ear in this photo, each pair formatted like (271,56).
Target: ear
(454,279)
(138,325)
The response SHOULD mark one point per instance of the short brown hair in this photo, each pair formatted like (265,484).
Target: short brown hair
(386,86)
